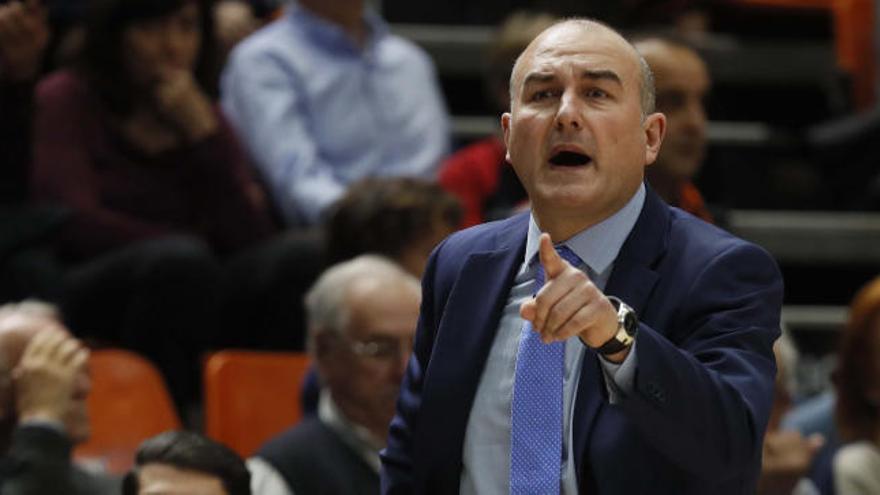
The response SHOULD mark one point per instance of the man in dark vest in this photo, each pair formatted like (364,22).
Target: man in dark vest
(362,316)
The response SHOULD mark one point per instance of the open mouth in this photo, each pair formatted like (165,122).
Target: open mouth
(569,159)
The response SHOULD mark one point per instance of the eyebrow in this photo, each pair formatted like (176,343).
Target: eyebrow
(601,74)
(608,75)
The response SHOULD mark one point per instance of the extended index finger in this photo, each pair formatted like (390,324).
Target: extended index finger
(551,261)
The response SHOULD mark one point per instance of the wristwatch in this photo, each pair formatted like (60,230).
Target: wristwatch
(627,326)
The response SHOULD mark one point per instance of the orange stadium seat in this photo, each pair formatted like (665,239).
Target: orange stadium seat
(128,403)
(251,396)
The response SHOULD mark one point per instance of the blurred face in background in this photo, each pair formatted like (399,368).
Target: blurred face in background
(364,366)
(153,48)
(682,82)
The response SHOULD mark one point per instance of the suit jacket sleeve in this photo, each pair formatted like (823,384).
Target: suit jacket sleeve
(397,458)
(703,388)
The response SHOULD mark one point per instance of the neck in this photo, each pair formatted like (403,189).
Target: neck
(347,14)
(561,229)
(668,187)
(563,224)
(356,415)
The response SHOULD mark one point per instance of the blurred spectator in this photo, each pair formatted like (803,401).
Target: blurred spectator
(27,266)
(24,35)
(857,381)
(479,174)
(44,383)
(235,20)
(186,463)
(326,96)
(362,316)
(787,454)
(403,219)
(157,184)
(132,143)
(681,82)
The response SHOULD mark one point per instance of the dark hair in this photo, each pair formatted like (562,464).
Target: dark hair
(192,451)
(858,414)
(385,216)
(101,58)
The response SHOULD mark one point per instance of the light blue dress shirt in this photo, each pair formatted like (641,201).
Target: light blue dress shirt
(486,455)
(317,112)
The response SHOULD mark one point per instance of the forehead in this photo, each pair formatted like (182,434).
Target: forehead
(383,307)
(674,65)
(162,479)
(586,46)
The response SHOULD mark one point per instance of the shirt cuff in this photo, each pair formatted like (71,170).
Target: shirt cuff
(619,378)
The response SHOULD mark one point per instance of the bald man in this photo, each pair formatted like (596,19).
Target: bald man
(681,82)
(44,383)
(602,343)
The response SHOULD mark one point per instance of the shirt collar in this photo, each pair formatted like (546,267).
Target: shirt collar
(357,437)
(332,37)
(598,245)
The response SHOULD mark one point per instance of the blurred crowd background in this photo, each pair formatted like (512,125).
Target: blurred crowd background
(175,175)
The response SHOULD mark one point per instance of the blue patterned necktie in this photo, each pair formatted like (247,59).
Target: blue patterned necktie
(536,408)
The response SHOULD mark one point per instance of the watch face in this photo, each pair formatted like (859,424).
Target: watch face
(629,322)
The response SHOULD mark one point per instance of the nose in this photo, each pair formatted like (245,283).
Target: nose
(569,116)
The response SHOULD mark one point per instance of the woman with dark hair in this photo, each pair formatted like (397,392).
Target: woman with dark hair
(133,45)
(857,380)
(157,185)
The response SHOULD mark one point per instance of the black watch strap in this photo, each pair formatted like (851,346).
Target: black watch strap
(627,325)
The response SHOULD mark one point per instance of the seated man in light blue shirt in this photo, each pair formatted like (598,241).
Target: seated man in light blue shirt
(326,96)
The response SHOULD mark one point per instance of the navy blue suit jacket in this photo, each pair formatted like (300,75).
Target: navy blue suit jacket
(709,307)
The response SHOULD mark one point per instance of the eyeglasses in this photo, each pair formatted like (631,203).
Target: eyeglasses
(381,348)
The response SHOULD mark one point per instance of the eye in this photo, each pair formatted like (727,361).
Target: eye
(542,95)
(596,93)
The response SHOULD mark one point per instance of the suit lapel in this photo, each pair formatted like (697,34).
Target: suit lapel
(467,330)
(632,280)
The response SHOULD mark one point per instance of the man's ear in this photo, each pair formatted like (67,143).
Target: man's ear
(505,126)
(655,130)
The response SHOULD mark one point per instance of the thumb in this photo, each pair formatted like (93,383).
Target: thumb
(551,261)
